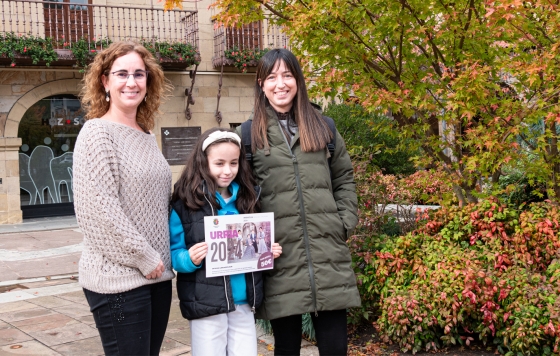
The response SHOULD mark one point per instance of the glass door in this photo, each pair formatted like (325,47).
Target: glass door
(48,131)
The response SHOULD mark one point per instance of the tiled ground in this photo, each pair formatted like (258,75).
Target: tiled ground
(61,324)
(43,311)
(38,254)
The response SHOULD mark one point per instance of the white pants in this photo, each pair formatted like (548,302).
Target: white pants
(231,334)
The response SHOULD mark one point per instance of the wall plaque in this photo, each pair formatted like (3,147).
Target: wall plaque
(178,142)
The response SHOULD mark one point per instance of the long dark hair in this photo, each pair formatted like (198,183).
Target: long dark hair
(314,133)
(189,187)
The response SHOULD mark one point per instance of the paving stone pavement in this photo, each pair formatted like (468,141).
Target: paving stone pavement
(43,310)
(45,322)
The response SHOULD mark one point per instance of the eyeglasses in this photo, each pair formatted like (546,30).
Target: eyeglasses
(139,75)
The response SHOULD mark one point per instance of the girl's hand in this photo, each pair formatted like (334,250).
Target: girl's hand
(197,252)
(276,250)
(156,273)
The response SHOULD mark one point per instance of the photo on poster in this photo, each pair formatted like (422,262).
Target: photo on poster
(252,241)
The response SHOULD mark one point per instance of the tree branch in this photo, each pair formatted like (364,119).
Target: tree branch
(435,49)
(467,24)
(273,10)
(360,40)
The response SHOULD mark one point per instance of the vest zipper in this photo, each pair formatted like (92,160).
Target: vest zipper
(225,282)
(225,291)
(254,294)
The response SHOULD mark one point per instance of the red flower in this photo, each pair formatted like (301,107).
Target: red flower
(24,49)
(68,122)
(92,51)
(13,64)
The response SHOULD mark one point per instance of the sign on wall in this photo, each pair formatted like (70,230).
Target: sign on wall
(178,142)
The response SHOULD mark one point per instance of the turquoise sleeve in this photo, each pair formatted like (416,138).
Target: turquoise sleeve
(180,258)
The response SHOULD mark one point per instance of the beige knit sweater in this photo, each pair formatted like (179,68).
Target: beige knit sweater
(122,185)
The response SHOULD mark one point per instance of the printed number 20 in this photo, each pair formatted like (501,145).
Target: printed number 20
(220,249)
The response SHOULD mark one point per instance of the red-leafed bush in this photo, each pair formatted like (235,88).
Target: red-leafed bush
(484,271)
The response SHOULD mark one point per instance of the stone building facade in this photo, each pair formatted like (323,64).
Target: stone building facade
(25,91)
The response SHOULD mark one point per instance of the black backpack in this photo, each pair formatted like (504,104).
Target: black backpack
(246,139)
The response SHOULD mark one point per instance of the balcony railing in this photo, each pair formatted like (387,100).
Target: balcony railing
(258,35)
(66,23)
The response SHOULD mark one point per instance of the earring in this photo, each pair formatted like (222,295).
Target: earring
(146,98)
(107,96)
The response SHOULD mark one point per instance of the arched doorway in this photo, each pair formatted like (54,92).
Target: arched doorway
(48,131)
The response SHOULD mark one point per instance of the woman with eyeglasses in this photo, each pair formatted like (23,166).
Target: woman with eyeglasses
(122,186)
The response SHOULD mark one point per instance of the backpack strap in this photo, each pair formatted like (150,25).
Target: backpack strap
(331,146)
(246,140)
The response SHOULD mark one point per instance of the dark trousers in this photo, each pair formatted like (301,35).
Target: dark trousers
(132,322)
(330,332)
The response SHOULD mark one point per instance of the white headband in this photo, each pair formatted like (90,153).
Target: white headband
(220,135)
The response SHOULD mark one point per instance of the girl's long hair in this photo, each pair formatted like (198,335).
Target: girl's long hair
(189,187)
(93,91)
(314,133)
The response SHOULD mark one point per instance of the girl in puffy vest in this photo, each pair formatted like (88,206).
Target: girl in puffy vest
(217,180)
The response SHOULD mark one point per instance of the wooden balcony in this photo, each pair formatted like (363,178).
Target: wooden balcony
(250,39)
(69,26)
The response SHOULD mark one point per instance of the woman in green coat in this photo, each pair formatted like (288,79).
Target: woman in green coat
(312,194)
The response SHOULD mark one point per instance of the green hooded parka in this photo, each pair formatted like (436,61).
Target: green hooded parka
(313,216)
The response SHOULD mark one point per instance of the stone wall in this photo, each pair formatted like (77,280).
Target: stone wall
(10,210)
(236,103)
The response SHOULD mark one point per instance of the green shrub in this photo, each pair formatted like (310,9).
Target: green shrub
(485,271)
(392,154)
(515,188)
(242,58)
(36,48)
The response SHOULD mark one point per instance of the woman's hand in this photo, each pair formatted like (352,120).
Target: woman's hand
(276,250)
(156,273)
(197,252)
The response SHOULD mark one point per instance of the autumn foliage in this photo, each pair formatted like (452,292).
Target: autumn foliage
(475,83)
(482,272)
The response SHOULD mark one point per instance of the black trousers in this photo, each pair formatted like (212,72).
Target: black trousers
(330,332)
(132,322)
